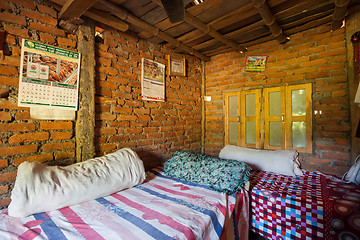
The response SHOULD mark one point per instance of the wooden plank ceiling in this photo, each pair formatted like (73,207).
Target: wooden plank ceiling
(212,26)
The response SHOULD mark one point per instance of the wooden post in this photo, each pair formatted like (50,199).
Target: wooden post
(203,116)
(352,26)
(85,122)
(339,13)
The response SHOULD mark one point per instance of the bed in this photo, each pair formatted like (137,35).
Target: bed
(161,207)
(288,203)
(311,206)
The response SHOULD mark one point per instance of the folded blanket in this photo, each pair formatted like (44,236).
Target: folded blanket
(227,176)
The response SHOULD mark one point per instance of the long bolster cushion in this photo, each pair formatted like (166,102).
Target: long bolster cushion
(39,188)
(281,161)
(221,175)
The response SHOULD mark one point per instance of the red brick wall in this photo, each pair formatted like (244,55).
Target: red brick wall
(21,138)
(154,129)
(317,56)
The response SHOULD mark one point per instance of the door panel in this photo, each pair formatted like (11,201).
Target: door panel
(299,117)
(250,118)
(232,115)
(274,117)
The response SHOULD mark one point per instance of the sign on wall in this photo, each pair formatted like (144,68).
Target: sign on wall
(49,76)
(152,80)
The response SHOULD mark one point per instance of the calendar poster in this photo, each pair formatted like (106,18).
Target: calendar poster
(152,80)
(49,76)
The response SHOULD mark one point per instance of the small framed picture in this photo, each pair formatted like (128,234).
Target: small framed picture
(176,65)
(255,63)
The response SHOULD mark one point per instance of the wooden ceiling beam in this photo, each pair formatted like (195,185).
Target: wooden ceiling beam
(294,7)
(305,19)
(97,15)
(129,17)
(310,24)
(194,10)
(192,36)
(254,30)
(239,16)
(73,9)
(339,13)
(107,19)
(212,32)
(190,19)
(269,19)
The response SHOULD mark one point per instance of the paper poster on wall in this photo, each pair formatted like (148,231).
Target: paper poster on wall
(49,76)
(51,114)
(255,63)
(152,80)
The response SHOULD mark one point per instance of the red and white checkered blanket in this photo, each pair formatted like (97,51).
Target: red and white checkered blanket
(312,206)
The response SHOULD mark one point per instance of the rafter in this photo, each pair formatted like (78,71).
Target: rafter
(95,14)
(198,11)
(73,9)
(129,17)
(269,19)
(214,27)
(242,34)
(339,13)
(190,19)
(250,13)
(107,19)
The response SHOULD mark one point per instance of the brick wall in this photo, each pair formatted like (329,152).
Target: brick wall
(21,138)
(157,129)
(317,56)
(154,129)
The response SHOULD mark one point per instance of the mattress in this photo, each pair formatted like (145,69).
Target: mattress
(312,206)
(160,208)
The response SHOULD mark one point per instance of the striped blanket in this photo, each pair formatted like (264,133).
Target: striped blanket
(160,208)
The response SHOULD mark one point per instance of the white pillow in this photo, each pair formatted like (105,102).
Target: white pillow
(281,161)
(40,188)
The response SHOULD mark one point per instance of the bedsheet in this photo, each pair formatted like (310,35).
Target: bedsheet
(160,208)
(312,206)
